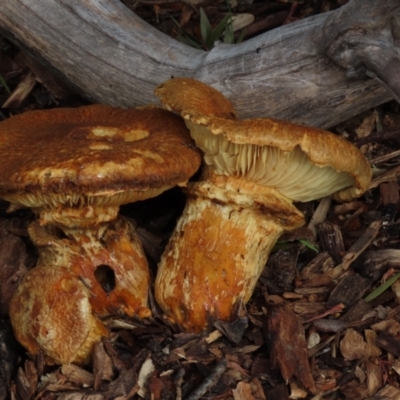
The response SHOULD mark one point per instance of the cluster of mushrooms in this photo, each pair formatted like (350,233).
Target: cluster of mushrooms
(75,167)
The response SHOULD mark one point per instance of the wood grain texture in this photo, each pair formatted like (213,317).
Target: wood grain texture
(112,56)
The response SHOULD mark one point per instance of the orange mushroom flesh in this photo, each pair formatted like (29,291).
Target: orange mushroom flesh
(253,171)
(51,311)
(108,259)
(74,168)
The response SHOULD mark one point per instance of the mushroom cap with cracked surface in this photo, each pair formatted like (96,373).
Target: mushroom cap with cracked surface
(93,155)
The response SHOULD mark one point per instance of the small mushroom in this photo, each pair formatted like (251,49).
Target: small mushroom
(51,311)
(74,168)
(253,171)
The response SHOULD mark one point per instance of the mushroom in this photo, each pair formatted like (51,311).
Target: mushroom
(253,171)
(74,168)
(53,313)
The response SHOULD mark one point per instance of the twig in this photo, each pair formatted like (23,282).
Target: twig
(265,24)
(312,352)
(332,310)
(385,158)
(385,177)
(210,381)
(378,137)
(361,244)
(178,383)
(320,214)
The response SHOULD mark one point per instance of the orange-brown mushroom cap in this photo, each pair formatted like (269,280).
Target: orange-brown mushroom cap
(188,96)
(94,155)
(303,163)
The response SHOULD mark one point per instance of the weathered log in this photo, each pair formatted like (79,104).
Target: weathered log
(112,56)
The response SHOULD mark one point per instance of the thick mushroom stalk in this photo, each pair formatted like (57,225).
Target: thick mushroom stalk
(253,170)
(218,250)
(108,258)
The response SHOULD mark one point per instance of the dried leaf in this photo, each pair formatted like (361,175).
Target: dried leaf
(240,21)
(144,374)
(77,375)
(374,377)
(102,365)
(21,92)
(353,346)
(243,392)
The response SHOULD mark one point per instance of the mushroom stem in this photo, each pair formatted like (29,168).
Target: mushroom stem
(108,258)
(217,253)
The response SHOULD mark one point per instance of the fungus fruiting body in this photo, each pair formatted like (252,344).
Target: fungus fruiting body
(253,171)
(74,168)
(51,311)
(218,250)
(108,258)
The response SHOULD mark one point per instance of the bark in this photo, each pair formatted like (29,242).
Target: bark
(111,56)
(349,290)
(288,347)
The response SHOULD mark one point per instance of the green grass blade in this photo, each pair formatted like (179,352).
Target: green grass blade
(308,244)
(228,35)
(380,289)
(241,36)
(177,24)
(217,31)
(4,84)
(205,28)
(192,43)
(186,37)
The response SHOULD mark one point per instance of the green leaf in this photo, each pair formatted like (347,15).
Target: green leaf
(228,36)
(190,42)
(4,84)
(205,28)
(217,31)
(186,38)
(380,289)
(209,35)
(241,36)
(177,24)
(308,244)
(280,245)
